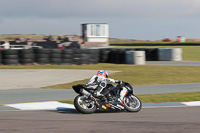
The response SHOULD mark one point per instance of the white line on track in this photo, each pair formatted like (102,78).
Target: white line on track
(50,105)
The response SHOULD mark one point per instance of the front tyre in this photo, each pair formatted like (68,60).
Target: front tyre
(132,103)
(84,105)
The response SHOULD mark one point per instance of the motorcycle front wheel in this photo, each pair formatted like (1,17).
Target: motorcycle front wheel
(132,103)
(84,105)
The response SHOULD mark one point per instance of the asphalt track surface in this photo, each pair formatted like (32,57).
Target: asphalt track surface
(148,120)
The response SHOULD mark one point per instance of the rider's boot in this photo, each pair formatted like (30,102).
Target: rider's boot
(97,93)
(120,98)
(118,101)
(109,97)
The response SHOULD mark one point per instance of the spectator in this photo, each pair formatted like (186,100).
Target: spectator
(28,39)
(70,38)
(18,39)
(6,45)
(66,39)
(45,37)
(60,38)
(48,38)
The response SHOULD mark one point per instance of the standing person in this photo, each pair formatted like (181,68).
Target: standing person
(60,38)
(6,45)
(70,38)
(66,39)
(50,38)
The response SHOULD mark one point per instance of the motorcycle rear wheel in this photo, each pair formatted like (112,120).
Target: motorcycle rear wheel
(132,103)
(84,105)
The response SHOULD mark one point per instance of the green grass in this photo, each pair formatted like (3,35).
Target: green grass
(142,75)
(4,37)
(141,42)
(70,101)
(154,42)
(160,98)
(171,97)
(190,53)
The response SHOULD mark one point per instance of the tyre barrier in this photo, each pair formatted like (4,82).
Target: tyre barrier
(135,57)
(77,58)
(49,56)
(118,56)
(85,56)
(10,57)
(0,57)
(93,55)
(72,56)
(151,54)
(42,56)
(26,57)
(56,56)
(167,54)
(67,57)
(103,55)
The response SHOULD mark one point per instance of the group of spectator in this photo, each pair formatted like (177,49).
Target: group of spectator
(60,38)
(64,39)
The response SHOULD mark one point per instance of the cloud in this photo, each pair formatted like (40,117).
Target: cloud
(99,8)
(39,26)
(142,19)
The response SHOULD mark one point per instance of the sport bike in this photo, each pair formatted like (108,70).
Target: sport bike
(87,102)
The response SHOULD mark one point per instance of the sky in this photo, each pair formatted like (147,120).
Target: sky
(127,19)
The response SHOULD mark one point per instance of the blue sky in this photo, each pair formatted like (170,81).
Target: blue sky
(130,19)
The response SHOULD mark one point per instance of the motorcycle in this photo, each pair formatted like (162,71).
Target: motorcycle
(86,102)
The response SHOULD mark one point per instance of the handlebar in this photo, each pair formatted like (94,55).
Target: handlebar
(120,83)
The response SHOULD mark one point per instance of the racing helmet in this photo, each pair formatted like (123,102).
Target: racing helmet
(102,73)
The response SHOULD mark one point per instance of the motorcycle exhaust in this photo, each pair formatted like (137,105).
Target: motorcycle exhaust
(85,93)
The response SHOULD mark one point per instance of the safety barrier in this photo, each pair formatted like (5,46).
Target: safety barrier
(86,56)
(118,56)
(49,56)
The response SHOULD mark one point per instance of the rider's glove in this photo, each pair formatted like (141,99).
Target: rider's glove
(85,85)
(118,81)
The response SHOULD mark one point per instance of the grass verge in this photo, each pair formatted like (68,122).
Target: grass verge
(171,97)
(142,75)
(160,98)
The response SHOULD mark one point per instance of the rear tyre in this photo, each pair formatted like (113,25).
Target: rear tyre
(84,105)
(132,103)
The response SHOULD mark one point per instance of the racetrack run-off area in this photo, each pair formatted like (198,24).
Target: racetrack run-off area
(36,78)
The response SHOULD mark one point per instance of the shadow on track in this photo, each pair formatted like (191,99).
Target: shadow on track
(64,110)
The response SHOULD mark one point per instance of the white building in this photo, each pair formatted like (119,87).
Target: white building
(96,33)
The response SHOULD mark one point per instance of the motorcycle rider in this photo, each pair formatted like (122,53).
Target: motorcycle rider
(99,82)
